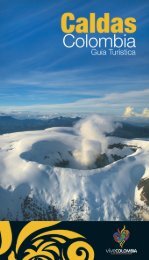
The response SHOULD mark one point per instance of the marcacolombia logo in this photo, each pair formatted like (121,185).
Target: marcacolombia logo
(121,236)
(43,240)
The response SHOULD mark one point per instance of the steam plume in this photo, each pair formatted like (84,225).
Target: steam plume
(94,142)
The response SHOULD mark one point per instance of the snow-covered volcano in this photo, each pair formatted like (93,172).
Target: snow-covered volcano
(72,173)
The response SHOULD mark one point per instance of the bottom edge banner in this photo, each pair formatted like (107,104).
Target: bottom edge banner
(55,240)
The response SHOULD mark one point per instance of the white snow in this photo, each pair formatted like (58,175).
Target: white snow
(27,169)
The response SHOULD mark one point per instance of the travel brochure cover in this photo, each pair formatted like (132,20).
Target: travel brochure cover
(74,128)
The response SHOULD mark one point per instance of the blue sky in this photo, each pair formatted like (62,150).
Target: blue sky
(38,73)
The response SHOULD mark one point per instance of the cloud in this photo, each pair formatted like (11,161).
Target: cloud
(145,112)
(112,103)
(129,112)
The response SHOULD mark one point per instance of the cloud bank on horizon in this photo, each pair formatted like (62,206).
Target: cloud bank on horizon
(111,104)
(129,112)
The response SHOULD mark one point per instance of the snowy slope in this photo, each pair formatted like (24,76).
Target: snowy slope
(42,178)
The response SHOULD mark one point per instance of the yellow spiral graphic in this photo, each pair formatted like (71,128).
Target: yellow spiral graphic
(80,250)
(44,243)
(6,236)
